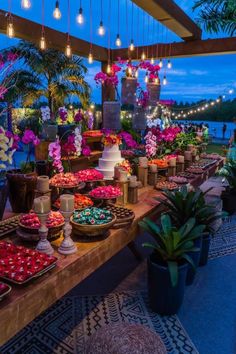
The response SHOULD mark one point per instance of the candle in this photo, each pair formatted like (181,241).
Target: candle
(172,161)
(180,158)
(123,176)
(67,202)
(188,155)
(153,168)
(117,170)
(133,181)
(143,162)
(43,184)
(42,205)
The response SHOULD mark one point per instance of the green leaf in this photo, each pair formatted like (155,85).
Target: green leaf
(173,269)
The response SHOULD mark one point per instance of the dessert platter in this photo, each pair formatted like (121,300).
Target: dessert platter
(29,225)
(124,216)
(81,202)
(105,193)
(9,225)
(89,175)
(186,175)
(171,186)
(195,170)
(92,222)
(178,179)
(19,264)
(66,180)
(5,289)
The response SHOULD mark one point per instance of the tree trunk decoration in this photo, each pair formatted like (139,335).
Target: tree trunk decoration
(111,115)
(154,93)
(139,118)
(128,91)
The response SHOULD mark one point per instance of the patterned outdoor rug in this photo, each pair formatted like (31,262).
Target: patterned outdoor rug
(224,241)
(67,325)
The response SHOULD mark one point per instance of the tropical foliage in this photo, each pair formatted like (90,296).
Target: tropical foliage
(47,74)
(173,245)
(217,15)
(228,171)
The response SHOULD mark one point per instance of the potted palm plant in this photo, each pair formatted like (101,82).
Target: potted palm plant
(183,205)
(228,172)
(168,264)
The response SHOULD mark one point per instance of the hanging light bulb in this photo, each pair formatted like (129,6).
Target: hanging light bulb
(130,70)
(68,51)
(146,77)
(143,56)
(152,61)
(57,12)
(10,29)
(101,29)
(90,58)
(131,47)
(136,73)
(80,17)
(169,64)
(108,68)
(161,63)
(164,81)
(118,41)
(42,43)
(26,4)
(156,80)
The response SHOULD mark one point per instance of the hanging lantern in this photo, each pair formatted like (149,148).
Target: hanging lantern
(68,51)
(131,47)
(118,41)
(90,58)
(169,64)
(164,81)
(101,29)
(143,56)
(57,12)
(42,43)
(80,17)
(10,29)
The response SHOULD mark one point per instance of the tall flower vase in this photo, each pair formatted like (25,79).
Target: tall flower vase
(3,195)
(111,115)
(139,118)
(154,93)
(128,91)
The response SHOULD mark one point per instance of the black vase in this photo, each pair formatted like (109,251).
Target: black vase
(206,239)
(191,273)
(3,196)
(229,201)
(164,298)
(42,168)
(64,130)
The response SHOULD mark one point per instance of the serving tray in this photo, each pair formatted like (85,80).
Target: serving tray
(9,225)
(5,289)
(124,216)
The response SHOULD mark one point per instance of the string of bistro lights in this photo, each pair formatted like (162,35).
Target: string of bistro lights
(149,31)
(182,113)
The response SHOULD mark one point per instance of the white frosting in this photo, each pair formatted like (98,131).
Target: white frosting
(111,156)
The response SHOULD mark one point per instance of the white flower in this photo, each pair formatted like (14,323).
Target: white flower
(46,114)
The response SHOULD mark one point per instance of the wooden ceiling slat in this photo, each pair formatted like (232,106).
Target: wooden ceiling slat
(31,31)
(172,16)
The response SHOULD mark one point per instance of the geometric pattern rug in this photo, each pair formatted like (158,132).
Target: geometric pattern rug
(223,243)
(66,326)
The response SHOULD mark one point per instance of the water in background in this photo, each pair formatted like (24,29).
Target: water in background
(215,128)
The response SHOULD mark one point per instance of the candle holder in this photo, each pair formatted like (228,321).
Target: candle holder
(44,245)
(67,246)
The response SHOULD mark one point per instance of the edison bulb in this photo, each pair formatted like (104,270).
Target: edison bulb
(169,64)
(101,29)
(146,78)
(156,80)
(161,63)
(80,17)
(152,61)
(10,30)
(164,81)
(130,70)
(131,47)
(118,41)
(42,43)
(57,12)
(108,69)
(68,51)
(26,4)
(136,73)
(143,56)
(90,58)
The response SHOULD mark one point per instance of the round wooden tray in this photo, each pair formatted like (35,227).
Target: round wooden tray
(124,216)
(91,230)
(29,234)
(78,186)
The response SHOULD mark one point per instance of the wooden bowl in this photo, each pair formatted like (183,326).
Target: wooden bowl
(29,234)
(91,230)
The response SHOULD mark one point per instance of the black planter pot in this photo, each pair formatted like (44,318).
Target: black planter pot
(64,130)
(196,259)
(229,201)
(164,298)
(206,239)
(42,168)
(3,196)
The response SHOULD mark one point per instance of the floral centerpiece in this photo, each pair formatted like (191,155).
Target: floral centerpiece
(126,166)
(112,139)
(8,146)
(54,153)
(151,145)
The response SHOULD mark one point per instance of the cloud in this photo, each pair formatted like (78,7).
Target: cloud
(177,72)
(199,72)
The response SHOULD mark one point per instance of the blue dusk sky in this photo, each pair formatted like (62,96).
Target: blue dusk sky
(190,79)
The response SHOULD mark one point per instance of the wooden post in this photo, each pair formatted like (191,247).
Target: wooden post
(133,195)
(152,178)
(123,199)
(143,175)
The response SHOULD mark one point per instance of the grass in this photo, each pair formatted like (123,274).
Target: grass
(215,148)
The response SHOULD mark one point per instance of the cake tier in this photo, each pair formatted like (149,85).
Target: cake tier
(109,164)
(111,148)
(111,155)
(108,174)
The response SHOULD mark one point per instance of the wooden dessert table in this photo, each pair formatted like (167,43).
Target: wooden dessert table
(27,302)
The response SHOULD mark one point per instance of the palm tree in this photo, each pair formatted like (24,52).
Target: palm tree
(47,74)
(217,15)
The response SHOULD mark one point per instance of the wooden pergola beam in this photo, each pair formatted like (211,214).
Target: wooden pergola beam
(31,31)
(181,49)
(171,16)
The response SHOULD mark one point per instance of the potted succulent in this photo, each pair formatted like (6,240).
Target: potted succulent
(184,205)
(228,172)
(168,264)
(22,182)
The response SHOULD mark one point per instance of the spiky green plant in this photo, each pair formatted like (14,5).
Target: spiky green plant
(173,245)
(228,171)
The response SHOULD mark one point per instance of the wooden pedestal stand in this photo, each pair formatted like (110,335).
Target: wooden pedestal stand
(187,163)
(152,178)
(171,171)
(41,194)
(143,175)
(133,195)
(179,167)
(123,199)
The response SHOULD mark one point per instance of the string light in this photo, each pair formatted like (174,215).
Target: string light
(164,81)
(143,56)
(136,73)
(57,12)
(130,70)
(161,63)
(25,4)
(169,64)
(101,29)
(42,43)
(231,91)
(10,28)
(80,17)
(152,61)
(108,68)
(68,51)
(90,58)
(118,40)
(131,47)
(146,77)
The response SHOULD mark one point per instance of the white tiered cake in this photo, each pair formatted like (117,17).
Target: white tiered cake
(111,156)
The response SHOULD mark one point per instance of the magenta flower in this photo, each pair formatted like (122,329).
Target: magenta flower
(78,116)
(30,137)
(54,152)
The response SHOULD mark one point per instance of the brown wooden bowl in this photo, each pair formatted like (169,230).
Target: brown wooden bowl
(91,230)
(30,234)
